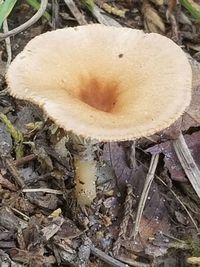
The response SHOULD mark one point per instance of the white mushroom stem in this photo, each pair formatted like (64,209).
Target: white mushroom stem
(85,177)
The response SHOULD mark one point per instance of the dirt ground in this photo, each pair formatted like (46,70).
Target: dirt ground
(41,224)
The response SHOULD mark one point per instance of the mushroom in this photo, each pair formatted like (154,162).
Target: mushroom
(103,83)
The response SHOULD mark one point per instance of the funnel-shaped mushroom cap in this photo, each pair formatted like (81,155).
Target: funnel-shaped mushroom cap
(102,82)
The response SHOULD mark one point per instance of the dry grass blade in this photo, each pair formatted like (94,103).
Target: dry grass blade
(152,20)
(24,216)
(76,13)
(44,190)
(176,197)
(147,185)
(27,24)
(181,203)
(102,18)
(187,162)
(8,44)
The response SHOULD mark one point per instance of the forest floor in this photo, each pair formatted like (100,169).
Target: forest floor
(147,209)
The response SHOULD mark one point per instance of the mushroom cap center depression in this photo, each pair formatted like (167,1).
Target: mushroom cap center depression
(98,95)
(102,82)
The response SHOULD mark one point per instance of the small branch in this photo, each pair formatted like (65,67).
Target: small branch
(107,259)
(26,159)
(188,163)
(27,24)
(44,190)
(132,262)
(76,13)
(7,184)
(145,192)
(14,172)
(25,217)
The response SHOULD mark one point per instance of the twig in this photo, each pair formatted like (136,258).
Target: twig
(44,190)
(14,172)
(21,161)
(124,223)
(188,163)
(147,185)
(27,24)
(107,259)
(76,13)
(8,45)
(7,184)
(25,217)
(132,262)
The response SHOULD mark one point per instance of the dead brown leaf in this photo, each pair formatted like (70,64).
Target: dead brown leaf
(52,228)
(47,201)
(155,217)
(115,155)
(68,230)
(17,201)
(31,258)
(152,21)
(8,220)
(171,161)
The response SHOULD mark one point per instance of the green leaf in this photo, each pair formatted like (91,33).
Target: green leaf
(192,7)
(36,5)
(5,9)
(89,4)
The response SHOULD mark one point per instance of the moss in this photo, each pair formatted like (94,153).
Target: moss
(16,135)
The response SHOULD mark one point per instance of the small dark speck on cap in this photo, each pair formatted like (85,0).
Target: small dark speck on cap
(120,55)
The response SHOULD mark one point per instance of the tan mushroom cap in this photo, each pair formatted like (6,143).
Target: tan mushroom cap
(102,82)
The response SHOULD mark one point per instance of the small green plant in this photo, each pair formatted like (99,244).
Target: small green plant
(192,7)
(16,135)
(7,6)
(5,9)
(89,4)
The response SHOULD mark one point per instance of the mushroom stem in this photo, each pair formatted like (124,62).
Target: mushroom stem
(85,168)
(85,177)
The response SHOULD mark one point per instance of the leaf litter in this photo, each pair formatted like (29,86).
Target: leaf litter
(42,228)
